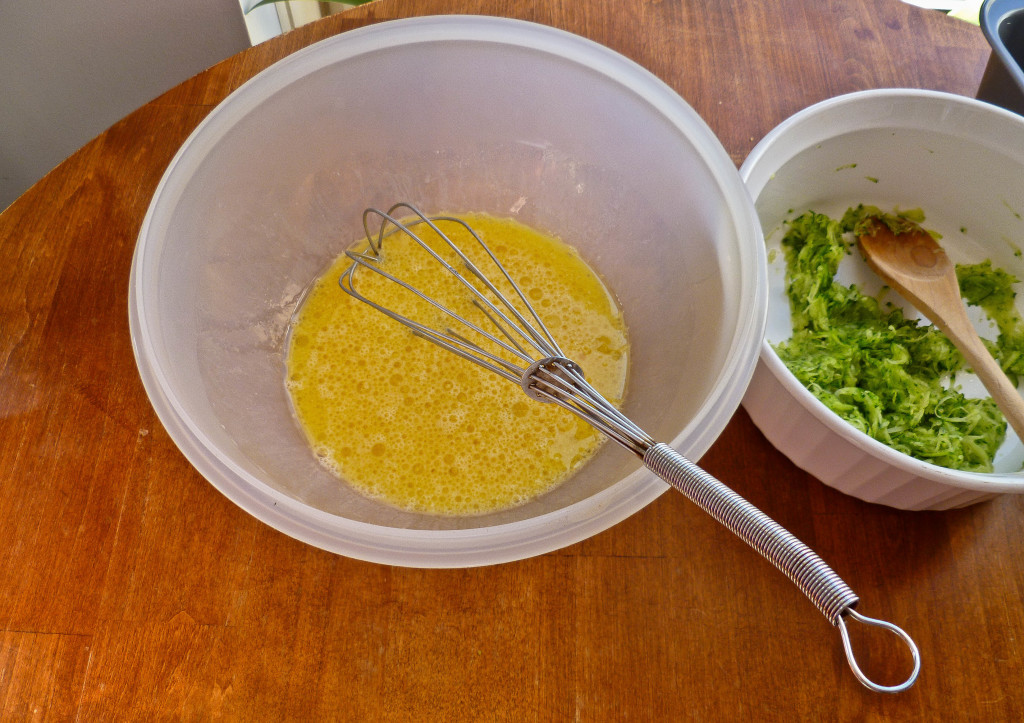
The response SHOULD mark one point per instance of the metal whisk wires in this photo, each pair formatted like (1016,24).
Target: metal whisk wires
(506,335)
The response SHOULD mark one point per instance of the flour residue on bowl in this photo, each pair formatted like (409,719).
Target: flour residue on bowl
(411,424)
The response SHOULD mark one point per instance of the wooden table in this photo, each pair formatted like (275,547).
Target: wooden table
(131,589)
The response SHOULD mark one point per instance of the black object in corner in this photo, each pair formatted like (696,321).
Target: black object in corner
(1002,22)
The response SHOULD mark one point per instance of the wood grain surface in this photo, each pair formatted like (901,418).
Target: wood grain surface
(130,589)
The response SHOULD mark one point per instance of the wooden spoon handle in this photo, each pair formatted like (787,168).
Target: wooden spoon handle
(917,267)
(961,332)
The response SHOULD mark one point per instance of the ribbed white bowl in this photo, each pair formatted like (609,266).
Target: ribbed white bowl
(962,162)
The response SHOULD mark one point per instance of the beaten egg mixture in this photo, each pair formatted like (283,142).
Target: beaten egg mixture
(411,424)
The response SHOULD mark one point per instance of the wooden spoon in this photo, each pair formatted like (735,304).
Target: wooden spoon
(914,264)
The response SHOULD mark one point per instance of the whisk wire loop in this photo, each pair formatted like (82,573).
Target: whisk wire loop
(532,330)
(455,344)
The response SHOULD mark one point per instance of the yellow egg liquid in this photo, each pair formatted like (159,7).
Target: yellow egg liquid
(411,424)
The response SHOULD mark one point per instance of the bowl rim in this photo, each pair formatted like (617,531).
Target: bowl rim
(481,545)
(994,482)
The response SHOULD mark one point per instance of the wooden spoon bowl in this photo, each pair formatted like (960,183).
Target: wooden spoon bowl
(913,263)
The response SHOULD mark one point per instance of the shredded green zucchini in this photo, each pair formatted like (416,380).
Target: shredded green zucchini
(992,290)
(890,377)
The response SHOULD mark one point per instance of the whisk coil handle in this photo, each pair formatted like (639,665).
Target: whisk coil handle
(776,544)
(803,566)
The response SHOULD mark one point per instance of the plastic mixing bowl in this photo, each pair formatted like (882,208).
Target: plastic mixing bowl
(452,114)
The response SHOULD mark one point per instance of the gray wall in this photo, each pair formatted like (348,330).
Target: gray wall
(71,68)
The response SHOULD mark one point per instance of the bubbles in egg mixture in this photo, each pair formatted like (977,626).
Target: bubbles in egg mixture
(414,425)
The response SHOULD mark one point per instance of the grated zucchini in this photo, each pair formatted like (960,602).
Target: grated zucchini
(891,377)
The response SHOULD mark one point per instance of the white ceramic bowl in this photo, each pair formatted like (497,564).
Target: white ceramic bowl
(959,160)
(452,114)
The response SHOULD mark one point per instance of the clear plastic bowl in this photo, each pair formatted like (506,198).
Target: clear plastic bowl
(453,114)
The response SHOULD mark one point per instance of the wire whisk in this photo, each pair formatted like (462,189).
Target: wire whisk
(508,337)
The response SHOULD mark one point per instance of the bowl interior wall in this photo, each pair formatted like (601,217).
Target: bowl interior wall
(280,191)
